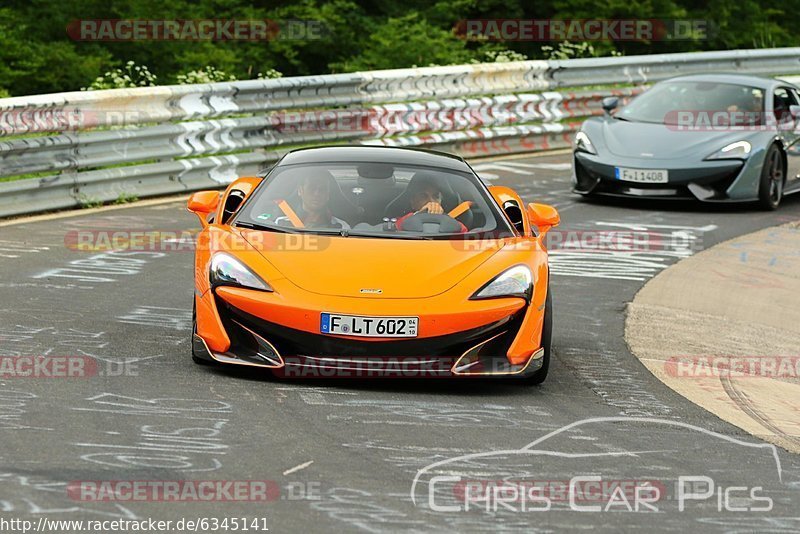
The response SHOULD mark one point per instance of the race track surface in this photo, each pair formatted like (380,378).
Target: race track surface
(349,454)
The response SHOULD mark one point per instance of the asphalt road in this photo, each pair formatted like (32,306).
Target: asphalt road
(345,454)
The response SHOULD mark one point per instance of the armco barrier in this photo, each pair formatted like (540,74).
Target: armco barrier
(96,146)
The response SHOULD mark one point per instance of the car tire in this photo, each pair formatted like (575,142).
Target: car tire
(547,337)
(773,179)
(195,358)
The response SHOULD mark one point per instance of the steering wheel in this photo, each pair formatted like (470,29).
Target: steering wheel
(430,223)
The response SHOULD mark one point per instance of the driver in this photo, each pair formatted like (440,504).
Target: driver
(424,197)
(314,192)
(751,102)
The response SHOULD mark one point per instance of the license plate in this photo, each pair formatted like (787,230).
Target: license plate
(642,176)
(358,325)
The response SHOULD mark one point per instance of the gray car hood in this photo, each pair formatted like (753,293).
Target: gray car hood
(658,141)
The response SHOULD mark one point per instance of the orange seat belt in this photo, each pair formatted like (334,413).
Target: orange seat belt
(289,212)
(461,209)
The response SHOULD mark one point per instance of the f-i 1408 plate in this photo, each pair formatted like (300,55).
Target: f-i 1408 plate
(642,176)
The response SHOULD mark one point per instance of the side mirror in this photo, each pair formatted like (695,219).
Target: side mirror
(610,103)
(202,204)
(544,216)
(794,110)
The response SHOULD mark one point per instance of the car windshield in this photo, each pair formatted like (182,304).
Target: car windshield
(373,200)
(676,102)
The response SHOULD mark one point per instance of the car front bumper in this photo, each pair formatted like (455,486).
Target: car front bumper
(708,181)
(490,338)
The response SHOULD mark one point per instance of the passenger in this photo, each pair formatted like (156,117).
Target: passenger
(313,210)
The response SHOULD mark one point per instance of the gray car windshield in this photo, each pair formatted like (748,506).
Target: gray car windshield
(373,200)
(674,102)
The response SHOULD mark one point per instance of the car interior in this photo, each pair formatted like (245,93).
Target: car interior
(368,196)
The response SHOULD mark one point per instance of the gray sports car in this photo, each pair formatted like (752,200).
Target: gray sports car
(711,137)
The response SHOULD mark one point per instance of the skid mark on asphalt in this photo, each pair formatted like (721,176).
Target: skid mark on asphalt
(742,400)
(619,388)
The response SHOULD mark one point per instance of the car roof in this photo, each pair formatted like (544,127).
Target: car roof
(760,82)
(374,154)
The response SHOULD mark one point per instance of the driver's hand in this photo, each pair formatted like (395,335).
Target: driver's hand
(432,207)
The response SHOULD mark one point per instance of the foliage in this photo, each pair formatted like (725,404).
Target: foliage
(569,50)
(208,74)
(38,56)
(126,198)
(131,75)
(269,74)
(87,202)
(503,56)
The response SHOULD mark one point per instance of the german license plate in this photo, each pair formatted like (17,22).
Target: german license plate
(365,326)
(642,176)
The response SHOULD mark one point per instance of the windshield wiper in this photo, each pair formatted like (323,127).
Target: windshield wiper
(390,235)
(287,230)
(343,232)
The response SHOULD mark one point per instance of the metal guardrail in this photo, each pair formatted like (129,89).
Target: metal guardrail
(97,146)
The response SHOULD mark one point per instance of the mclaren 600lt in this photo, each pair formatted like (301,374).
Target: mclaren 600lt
(372,261)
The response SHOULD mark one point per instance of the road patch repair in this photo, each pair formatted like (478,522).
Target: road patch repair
(722,328)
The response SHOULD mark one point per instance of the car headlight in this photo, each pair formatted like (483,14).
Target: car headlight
(583,143)
(737,150)
(225,270)
(515,282)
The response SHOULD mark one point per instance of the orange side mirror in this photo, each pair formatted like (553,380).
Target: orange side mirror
(202,204)
(544,216)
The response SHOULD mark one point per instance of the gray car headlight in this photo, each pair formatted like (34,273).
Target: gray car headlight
(225,270)
(583,143)
(514,282)
(737,150)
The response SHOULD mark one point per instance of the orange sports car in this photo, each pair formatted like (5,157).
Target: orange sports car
(372,261)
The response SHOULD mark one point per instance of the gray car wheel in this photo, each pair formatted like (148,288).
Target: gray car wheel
(773,176)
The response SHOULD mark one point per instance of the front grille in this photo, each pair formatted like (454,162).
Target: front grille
(292,342)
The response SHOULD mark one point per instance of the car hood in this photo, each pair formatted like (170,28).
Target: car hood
(661,142)
(370,268)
